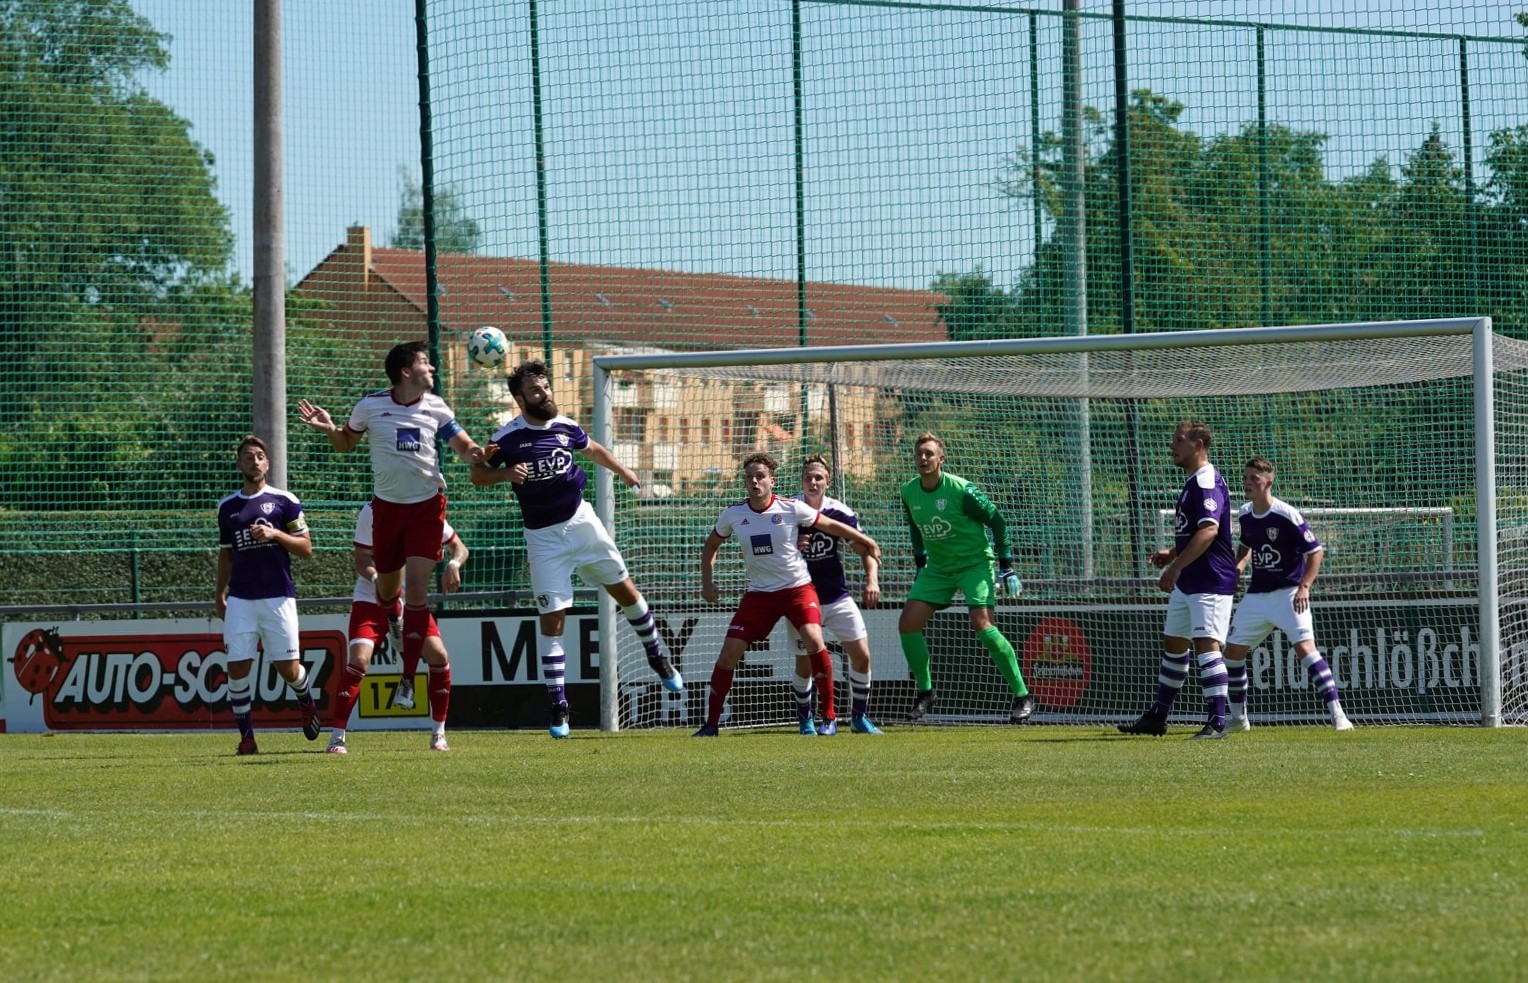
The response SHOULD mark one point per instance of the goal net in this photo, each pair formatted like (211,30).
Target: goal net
(1381,433)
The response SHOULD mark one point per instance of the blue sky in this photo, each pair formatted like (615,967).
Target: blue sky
(668,123)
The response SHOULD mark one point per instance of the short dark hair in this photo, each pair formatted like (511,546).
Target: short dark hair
(526,370)
(1194,430)
(1261,465)
(252,441)
(812,459)
(761,458)
(401,357)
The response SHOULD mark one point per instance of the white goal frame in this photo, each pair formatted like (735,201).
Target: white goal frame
(1484,423)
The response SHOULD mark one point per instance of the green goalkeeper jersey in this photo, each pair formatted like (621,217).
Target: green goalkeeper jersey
(949,524)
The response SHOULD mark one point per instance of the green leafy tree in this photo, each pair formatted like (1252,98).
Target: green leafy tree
(114,260)
(455,230)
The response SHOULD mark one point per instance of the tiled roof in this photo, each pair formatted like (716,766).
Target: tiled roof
(657,307)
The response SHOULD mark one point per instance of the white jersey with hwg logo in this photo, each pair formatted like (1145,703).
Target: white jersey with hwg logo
(771,556)
(365,591)
(401,438)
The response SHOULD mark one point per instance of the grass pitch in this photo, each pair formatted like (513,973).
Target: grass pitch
(981,853)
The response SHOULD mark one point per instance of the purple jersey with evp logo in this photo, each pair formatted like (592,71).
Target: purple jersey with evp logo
(1205,498)
(824,561)
(555,487)
(1280,541)
(260,570)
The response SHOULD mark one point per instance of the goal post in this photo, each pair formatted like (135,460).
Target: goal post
(1429,416)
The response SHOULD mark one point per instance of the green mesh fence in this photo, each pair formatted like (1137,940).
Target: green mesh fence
(613,177)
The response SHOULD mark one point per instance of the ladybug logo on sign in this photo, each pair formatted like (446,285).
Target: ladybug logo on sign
(1057,662)
(37,661)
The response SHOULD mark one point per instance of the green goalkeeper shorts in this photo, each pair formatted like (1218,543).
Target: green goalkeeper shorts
(937,588)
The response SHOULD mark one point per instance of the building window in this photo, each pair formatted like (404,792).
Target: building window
(848,435)
(684,430)
(631,425)
(661,435)
(705,430)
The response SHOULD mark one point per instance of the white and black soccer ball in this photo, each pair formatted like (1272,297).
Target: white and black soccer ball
(487,346)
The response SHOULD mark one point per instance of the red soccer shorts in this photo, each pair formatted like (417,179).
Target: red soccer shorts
(368,623)
(401,531)
(760,609)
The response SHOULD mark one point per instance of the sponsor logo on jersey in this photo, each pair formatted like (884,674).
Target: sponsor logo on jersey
(1265,557)
(244,539)
(940,503)
(776,519)
(267,507)
(763,545)
(820,546)
(1272,534)
(937,528)
(1209,505)
(408,439)
(557,463)
(562,439)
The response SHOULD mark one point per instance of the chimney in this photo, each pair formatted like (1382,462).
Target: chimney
(358,237)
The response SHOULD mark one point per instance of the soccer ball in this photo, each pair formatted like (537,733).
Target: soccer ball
(487,346)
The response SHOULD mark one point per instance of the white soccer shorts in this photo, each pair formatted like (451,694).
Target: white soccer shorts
(1259,614)
(555,552)
(1198,615)
(272,620)
(842,619)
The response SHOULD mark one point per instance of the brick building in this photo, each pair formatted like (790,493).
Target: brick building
(672,431)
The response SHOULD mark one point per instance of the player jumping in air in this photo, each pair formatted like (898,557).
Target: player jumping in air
(409,501)
(949,518)
(1286,556)
(534,452)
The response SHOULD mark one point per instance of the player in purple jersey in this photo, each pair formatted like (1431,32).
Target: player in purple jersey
(840,615)
(534,452)
(260,528)
(1199,574)
(1285,557)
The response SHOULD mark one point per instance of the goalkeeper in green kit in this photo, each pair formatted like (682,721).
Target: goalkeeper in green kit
(949,518)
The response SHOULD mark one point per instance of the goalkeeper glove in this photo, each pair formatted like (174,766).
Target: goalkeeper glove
(920,560)
(1012,585)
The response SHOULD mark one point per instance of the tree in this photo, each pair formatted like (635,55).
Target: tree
(455,230)
(114,261)
(975,308)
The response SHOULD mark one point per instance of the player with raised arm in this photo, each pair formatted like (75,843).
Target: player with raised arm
(534,452)
(1286,557)
(840,615)
(409,501)
(369,623)
(779,585)
(260,529)
(948,518)
(1199,574)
